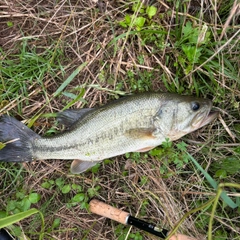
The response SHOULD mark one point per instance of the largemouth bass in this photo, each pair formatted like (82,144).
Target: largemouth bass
(136,123)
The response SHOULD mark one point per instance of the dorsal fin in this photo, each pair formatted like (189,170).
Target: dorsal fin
(70,116)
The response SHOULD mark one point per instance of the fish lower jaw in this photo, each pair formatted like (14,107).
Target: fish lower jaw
(209,118)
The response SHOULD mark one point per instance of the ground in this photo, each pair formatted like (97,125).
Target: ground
(65,54)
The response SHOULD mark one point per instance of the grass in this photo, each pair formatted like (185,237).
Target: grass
(57,55)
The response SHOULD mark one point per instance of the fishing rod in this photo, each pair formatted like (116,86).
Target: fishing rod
(125,218)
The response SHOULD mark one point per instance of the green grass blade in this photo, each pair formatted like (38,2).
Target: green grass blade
(76,99)
(214,184)
(70,78)
(9,220)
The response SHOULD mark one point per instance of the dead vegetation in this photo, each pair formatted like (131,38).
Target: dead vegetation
(67,34)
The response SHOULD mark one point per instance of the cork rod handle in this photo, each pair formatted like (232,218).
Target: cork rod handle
(120,216)
(108,211)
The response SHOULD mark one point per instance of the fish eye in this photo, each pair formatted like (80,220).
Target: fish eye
(195,106)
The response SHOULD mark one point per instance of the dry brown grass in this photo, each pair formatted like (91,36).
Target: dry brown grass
(82,30)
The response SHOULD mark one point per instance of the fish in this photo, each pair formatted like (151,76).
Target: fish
(134,123)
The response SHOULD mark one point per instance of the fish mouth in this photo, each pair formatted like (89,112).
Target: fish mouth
(209,117)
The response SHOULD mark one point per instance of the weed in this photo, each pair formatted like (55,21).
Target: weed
(147,30)
(7,221)
(19,207)
(123,233)
(76,192)
(143,181)
(19,72)
(22,202)
(167,154)
(65,55)
(95,168)
(143,18)
(228,165)
(137,157)
(193,44)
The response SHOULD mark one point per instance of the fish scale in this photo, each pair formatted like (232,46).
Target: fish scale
(95,128)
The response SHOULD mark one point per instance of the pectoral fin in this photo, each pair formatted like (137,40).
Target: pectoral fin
(70,116)
(79,166)
(146,149)
(141,133)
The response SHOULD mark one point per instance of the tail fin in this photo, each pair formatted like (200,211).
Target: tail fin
(16,140)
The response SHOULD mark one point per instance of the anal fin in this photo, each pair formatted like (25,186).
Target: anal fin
(79,166)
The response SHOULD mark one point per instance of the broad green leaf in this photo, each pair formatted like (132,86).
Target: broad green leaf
(76,187)
(56,223)
(221,173)
(187,29)
(34,197)
(9,24)
(138,7)
(128,19)
(78,197)
(95,168)
(25,204)
(66,189)
(59,182)
(139,22)
(46,185)
(151,11)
